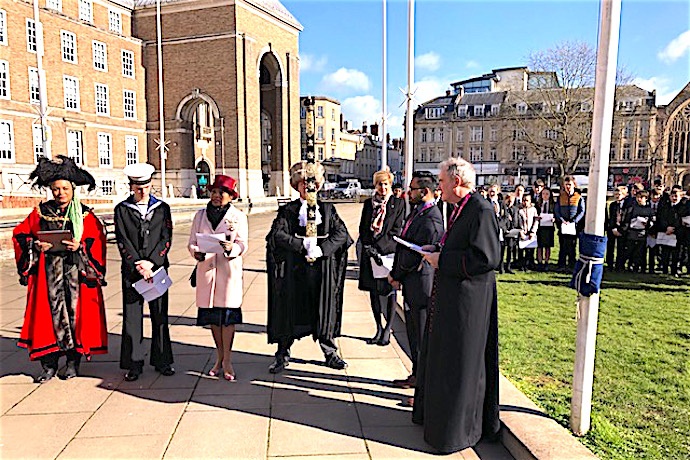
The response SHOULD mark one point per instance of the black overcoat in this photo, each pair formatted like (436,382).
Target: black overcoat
(289,317)
(457,394)
(425,228)
(383,242)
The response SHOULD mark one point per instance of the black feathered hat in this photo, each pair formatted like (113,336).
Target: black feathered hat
(64,168)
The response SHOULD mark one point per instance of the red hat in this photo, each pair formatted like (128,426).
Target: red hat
(226,183)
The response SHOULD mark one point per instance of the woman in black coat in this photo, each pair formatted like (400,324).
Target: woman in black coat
(382,218)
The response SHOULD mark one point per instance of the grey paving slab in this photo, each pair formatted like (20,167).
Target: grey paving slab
(120,447)
(18,434)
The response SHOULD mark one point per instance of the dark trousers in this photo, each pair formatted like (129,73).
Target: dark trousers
(653,256)
(415,322)
(50,361)
(669,259)
(566,255)
(377,303)
(132,349)
(636,254)
(615,252)
(510,246)
(328,347)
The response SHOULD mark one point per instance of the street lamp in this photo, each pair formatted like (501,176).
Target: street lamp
(520,161)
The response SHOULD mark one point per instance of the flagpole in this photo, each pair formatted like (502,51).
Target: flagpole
(42,88)
(409,117)
(384,144)
(161,145)
(602,120)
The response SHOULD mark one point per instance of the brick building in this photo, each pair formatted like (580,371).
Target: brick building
(94,87)
(231,91)
(504,123)
(231,87)
(674,148)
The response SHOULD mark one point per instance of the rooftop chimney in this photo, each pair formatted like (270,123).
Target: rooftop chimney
(375,129)
(365,128)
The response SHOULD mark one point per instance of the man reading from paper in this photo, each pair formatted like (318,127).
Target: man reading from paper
(143,227)
(456,397)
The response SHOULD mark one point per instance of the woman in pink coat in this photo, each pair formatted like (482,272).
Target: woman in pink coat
(219,271)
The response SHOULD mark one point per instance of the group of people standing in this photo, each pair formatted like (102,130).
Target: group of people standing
(446,274)
(648,230)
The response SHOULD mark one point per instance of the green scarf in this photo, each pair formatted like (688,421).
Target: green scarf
(76,216)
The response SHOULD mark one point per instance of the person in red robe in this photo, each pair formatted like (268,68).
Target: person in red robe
(65,313)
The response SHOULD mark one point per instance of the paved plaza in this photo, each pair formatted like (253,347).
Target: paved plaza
(309,411)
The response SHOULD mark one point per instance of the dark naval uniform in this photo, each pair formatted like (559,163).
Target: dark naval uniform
(143,237)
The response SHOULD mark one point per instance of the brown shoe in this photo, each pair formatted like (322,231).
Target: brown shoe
(408,402)
(409,382)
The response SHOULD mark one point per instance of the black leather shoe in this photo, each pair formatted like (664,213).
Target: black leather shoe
(71,371)
(279,365)
(166,370)
(375,339)
(46,375)
(132,375)
(335,362)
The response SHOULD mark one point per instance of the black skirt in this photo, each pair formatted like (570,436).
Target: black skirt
(545,237)
(217,316)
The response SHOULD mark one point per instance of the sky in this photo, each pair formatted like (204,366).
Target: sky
(341,46)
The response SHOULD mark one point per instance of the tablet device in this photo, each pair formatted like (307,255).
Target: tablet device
(55,237)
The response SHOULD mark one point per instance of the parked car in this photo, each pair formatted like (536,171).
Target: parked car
(348,189)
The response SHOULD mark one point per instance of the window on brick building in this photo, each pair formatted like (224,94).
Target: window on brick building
(612,153)
(493,156)
(129,99)
(69,46)
(476,133)
(476,153)
(75,146)
(642,151)
(102,100)
(424,135)
(34,90)
(127,63)
(319,133)
(626,151)
(105,150)
(71,90)
(86,10)
(100,56)
(37,135)
(54,4)
(3,27)
(31,40)
(4,80)
(459,135)
(320,153)
(6,142)
(629,129)
(132,149)
(107,186)
(319,111)
(115,21)
(332,134)
(493,134)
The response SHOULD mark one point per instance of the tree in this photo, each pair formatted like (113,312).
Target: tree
(553,115)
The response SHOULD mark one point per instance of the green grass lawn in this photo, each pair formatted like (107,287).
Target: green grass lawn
(641,397)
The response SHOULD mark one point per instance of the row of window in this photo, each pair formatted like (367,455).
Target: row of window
(85,14)
(75,145)
(71,93)
(319,112)
(68,46)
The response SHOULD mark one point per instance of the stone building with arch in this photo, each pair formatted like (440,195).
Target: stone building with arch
(674,122)
(230,92)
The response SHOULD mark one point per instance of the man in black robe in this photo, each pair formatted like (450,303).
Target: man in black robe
(143,228)
(306,298)
(456,396)
(424,225)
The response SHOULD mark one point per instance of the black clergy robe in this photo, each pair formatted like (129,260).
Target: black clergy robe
(457,384)
(296,309)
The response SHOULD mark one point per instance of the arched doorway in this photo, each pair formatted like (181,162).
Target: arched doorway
(271,119)
(200,142)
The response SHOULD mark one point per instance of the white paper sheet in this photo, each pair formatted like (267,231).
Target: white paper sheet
(514,233)
(409,245)
(638,223)
(546,220)
(568,229)
(686,221)
(382,271)
(155,287)
(527,244)
(210,242)
(662,239)
(651,241)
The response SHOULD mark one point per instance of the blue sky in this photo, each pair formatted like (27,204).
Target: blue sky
(340,46)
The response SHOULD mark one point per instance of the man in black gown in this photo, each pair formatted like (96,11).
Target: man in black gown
(456,396)
(306,298)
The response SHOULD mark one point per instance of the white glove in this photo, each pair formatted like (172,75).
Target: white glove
(314,253)
(309,243)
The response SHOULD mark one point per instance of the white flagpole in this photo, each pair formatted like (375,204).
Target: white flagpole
(42,88)
(409,122)
(602,120)
(161,146)
(384,64)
